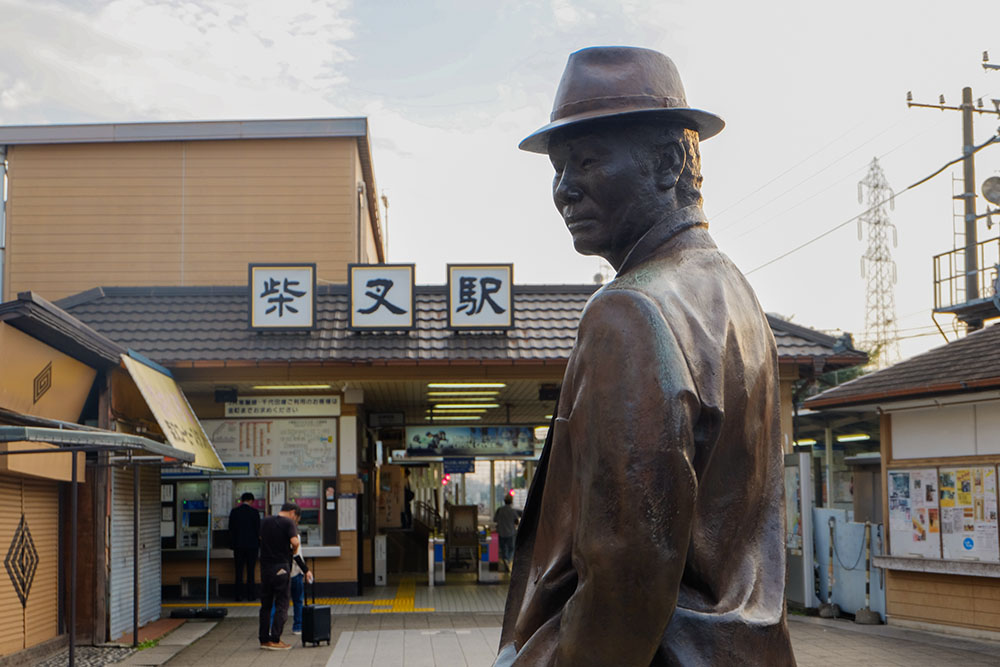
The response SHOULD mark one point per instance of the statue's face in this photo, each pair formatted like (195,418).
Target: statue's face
(606,194)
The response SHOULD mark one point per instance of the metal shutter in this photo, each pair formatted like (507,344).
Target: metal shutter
(120,603)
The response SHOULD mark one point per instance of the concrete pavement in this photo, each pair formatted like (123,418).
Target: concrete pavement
(457,625)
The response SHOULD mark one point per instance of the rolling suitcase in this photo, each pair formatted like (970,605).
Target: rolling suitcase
(315,622)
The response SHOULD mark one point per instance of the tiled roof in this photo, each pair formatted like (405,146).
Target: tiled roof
(174,325)
(968,364)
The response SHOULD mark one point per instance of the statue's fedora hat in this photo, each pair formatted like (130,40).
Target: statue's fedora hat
(614,81)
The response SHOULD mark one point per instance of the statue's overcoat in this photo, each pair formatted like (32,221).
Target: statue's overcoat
(653,532)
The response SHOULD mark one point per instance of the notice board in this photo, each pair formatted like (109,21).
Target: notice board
(969,513)
(914,517)
(277,447)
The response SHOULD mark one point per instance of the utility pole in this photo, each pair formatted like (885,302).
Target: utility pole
(968,195)
(881,331)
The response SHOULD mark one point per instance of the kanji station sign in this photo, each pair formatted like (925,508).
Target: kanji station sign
(381,296)
(480,296)
(283,296)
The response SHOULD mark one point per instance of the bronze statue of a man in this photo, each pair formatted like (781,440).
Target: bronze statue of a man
(654,529)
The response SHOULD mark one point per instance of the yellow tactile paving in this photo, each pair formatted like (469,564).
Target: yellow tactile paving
(401,603)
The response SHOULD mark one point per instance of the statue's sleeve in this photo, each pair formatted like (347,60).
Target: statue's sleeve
(631,428)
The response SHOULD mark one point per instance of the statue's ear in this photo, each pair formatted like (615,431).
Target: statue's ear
(670,159)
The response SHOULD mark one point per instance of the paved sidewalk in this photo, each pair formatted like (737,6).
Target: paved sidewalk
(379,637)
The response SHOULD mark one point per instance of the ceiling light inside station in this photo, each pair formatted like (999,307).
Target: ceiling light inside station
(464,393)
(455,418)
(438,406)
(466,385)
(854,437)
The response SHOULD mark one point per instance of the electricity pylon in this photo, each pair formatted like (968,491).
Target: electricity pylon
(881,336)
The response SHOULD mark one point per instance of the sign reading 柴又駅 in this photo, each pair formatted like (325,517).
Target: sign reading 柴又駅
(282,296)
(480,296)
(381,296)
(434,440)
(284,406)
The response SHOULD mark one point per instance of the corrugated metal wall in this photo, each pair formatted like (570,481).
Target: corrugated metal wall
(38,620)
(120,602)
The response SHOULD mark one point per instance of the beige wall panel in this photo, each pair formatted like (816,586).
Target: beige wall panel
(953,600)
(72,206)
(171,571)
(68,206)
(11,614)
(41,509)
(344,568)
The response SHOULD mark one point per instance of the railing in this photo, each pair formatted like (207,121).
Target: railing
(427,515)
(949,275)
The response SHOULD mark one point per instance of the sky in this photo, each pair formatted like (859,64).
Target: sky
(810,92)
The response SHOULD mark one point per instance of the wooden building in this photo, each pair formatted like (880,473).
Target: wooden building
(55,390)
(940,447)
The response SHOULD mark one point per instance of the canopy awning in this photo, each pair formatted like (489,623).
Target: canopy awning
(172,411)
(92,441)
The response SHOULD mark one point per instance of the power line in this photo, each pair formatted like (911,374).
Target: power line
(819,192)
(976,149)
(793,167)
(806,179)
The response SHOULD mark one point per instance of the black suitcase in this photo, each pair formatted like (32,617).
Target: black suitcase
(315,622)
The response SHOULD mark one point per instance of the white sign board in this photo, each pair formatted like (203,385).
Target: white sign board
(347,517)
(381,296)
(277,447)
(914,522)
(969,513)
(282,296)
(480,296)
(284,406)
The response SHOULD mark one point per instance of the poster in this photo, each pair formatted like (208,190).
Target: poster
(222,503)
(277,447)
(969,513)
(914,519)
(435,440)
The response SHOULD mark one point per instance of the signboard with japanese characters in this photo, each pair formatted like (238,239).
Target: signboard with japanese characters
(283,296)
(284,406)
(381,296)
(480,296)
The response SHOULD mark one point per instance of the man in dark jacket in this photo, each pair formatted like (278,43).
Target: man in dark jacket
(653,533)
(244,535)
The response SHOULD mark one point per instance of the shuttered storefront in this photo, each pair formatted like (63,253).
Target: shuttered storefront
(120,603)
(30,551)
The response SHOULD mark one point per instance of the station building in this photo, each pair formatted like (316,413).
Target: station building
(150,234)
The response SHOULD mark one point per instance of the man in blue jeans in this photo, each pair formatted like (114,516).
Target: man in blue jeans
(300,573)
(506,519)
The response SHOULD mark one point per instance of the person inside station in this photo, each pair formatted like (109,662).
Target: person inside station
(244,535)
(506,519)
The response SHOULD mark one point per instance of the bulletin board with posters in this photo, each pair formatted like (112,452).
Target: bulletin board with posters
(914,516)
(969,513)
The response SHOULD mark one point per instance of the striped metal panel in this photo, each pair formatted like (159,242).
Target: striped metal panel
(11,613)
(120,602)
(149,545)
(41,511)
